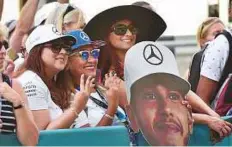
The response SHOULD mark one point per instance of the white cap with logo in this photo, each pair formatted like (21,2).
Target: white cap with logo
(46,33)
(150,58)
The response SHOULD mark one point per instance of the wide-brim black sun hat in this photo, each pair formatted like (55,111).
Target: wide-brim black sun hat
(150,25)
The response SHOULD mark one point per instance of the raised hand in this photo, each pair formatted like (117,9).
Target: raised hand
(9,94)
(223,128)
(186,103)
(112,80)
(10,66)
(87,86)
(81,97)
(112,83)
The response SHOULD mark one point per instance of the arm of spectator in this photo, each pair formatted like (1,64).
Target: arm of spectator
(213,63)
(24,23)
(112,82)
(206,89)
(79,103)
(26,130)
(223,128)
(1,8)
(199,105)
(69,116)
(10,66)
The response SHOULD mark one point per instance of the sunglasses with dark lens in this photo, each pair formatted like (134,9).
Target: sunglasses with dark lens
(4,43)
(69,9)
(56,47)
(121,29)
(85,54)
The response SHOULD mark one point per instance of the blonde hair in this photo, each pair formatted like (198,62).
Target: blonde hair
(202,30)
(57,17)
(4,32)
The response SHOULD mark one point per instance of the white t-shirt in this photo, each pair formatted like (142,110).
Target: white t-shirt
(38,94)
(214,58)
(96,112)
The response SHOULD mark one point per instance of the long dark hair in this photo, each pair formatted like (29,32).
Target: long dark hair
(58,88)
(108,58)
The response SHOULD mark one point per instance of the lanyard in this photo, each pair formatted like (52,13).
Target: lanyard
(122,117)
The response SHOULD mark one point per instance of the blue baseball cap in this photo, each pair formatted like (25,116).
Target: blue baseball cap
(83,39)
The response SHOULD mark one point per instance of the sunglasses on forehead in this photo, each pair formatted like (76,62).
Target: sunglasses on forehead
(86,54)
(69,9)
(121,29)
(57,47)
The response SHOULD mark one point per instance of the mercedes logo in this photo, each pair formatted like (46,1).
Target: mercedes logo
(152,54)
(84,36)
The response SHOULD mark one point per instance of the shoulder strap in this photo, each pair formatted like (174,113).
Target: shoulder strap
(195,69)
(227,69)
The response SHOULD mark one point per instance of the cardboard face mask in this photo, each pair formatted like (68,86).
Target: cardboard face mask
(156,95)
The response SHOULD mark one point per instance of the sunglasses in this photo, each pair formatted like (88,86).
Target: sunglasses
(57,47)
(121,29)
(4,43)
(69,9)
(85,54)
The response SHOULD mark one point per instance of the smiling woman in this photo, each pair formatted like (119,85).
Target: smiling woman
(121,29)
(48,98)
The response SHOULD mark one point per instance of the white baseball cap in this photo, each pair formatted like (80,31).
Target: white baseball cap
(43,13)
(46,33)
(148,58)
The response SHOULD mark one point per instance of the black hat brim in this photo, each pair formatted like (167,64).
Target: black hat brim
(150,25)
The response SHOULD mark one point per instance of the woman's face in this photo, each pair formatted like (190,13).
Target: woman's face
(123,35)
(73,26)
(84,61)
(212,32)
(55,57)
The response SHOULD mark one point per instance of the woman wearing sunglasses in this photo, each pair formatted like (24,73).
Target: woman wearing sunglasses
(121,32)
(103,102)
(15,117)
(48,94)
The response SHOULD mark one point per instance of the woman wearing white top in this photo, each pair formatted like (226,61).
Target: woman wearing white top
(14,112)
(48,55)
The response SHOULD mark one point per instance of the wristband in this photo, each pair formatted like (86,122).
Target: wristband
(108,116)
(18,107)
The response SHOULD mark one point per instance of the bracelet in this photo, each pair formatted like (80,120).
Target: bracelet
(74,111)
(19,106)
(108,116)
